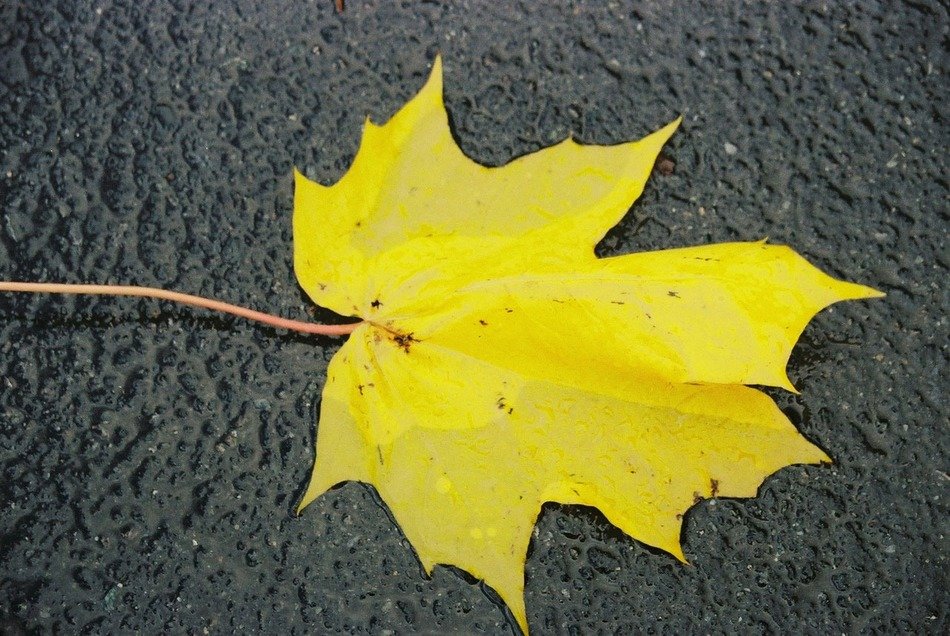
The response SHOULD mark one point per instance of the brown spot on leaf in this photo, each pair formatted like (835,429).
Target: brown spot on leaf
(618,302)
(404,340)
(673,294)
(359,387)
(713,487)
(697,497)
(376,304)
(508,310)
(679,517)
(483,323)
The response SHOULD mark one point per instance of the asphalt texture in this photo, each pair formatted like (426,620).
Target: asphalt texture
(151,456)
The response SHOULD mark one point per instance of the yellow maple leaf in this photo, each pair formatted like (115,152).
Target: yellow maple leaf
(502,365)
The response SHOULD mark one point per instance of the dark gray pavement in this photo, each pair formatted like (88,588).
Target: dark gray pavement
(151,456)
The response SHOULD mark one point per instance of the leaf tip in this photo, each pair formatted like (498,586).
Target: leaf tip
(676,549)
(314,490)
(434,83)
(522,618)
(651,145)
(844,290)
(784,382)
(667,131)
(428,562)
(304,185)
(866,293)
(299,177)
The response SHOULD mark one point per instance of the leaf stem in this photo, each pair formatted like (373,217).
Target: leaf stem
(185,299)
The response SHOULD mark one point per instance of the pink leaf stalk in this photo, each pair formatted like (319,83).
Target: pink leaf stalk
(185,299)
